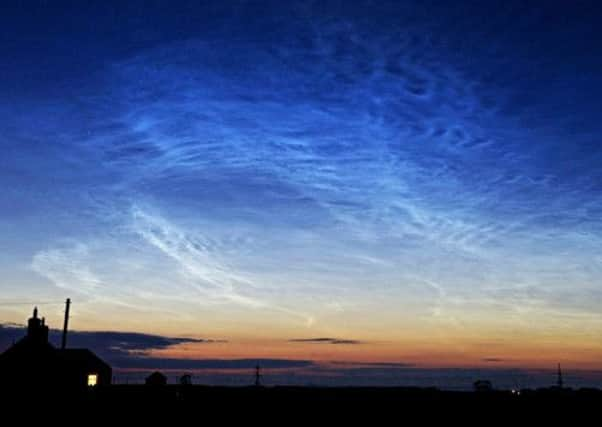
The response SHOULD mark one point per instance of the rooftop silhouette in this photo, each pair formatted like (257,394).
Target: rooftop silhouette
(34,361)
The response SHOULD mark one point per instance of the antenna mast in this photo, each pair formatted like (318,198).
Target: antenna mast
(257,376)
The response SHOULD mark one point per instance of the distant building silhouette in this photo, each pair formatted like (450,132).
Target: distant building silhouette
(33,361)
(186,379)
(156,379)
(482,386)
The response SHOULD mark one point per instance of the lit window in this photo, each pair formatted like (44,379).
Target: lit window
(92,380)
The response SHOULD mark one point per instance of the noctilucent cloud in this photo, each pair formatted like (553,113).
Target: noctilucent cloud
(415,182)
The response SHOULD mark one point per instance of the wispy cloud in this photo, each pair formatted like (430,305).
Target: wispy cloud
(391,365)
(202,264)
(68,268)
(196,257)
(326,341)
(109,344)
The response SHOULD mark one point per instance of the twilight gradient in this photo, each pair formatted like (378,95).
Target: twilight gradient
(420,179)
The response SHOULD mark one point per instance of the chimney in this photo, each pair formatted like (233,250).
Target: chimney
(35,328)
(66,324)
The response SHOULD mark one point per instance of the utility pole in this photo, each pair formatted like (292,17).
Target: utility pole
(66,324)
(257,376)
(559,381)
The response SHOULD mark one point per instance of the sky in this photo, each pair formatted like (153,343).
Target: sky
(381,184)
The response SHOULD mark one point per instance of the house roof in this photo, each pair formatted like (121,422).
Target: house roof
(26,346)
(79,355)
(156,374)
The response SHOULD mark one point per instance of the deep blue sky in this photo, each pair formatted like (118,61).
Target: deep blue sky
(376,171)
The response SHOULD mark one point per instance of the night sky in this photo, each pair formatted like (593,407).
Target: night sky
(401,184)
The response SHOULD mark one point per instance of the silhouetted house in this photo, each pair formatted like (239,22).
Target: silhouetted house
(186,379)
(156,379)
(33,361)
(482,385)
(84,368)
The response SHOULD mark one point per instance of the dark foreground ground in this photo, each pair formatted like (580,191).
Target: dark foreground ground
(289,405)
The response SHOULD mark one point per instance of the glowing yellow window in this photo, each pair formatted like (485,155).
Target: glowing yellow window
(92,380)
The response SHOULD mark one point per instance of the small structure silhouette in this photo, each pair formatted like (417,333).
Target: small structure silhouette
(186,379)
(156,379)
(559,381)
(482,386)
(34,361)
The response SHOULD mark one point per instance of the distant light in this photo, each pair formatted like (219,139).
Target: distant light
(92,380)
